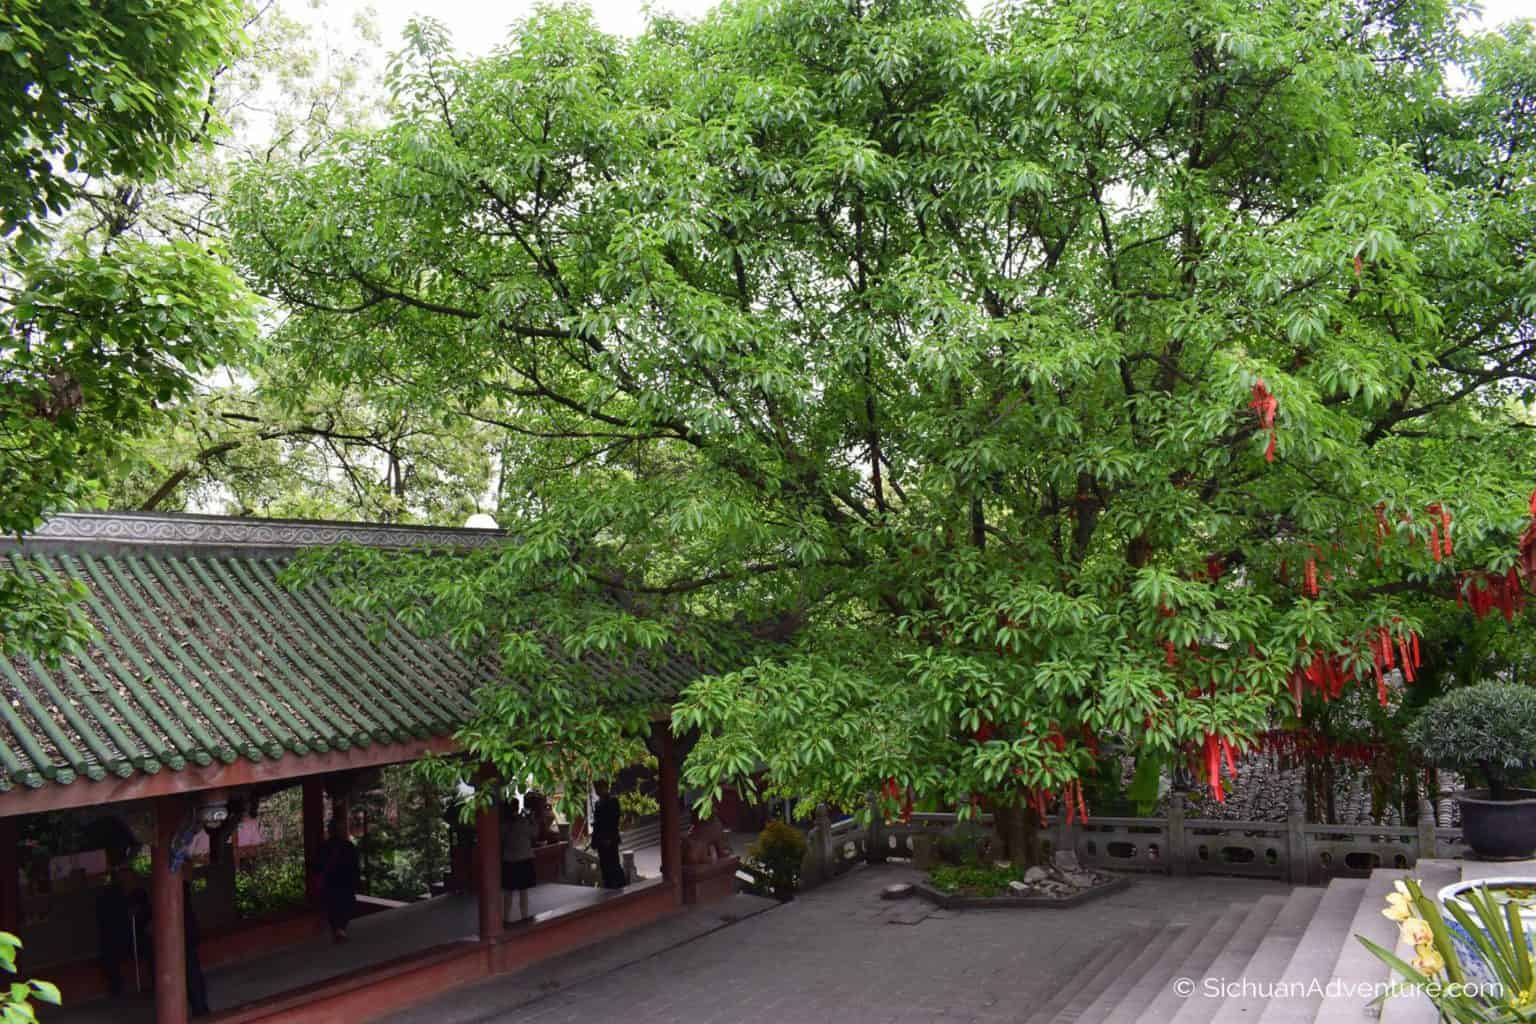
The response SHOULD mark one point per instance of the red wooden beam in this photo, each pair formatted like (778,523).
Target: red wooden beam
(53,797)
(167,923)
(488,862)
(667,796)
(10,878)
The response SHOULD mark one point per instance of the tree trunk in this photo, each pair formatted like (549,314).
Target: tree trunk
(1017,834)
(1495,781)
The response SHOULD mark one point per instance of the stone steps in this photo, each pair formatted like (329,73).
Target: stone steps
(1092,977)
(1088,1005)
(1201,1007)
(1166,1001)
(1283,959)
(1356,965)
(1158,976)
(1311,962)
(1270,957)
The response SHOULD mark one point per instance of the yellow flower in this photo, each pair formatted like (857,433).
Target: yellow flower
(1402,887)
(1428,959)
(1416,932)
(1399,906)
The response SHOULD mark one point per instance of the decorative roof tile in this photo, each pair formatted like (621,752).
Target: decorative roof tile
(201,655)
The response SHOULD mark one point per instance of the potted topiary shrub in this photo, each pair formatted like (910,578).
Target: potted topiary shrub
(777,855)
(1487,732)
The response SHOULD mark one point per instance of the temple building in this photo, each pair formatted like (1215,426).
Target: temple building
(208,690)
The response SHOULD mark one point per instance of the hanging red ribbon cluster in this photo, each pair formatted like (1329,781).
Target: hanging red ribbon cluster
(1305,744)
(1485,591)
(1438,540)
(1439,532)
(1072,803)
(1527,562)
(1309,573)
(1325,674)
(893,792)
(1265,406)
(1389,652)
(1213,754)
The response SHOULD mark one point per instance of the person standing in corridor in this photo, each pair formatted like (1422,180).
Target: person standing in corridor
(605,837)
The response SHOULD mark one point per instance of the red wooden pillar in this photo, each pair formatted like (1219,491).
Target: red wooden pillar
(10,878)
(168,920)
(488,870)
(667,796)
(314,824)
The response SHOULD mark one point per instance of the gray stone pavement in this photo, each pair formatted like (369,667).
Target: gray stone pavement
(836,954)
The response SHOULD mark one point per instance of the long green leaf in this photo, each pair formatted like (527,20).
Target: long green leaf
(1522,950)
(1429,910)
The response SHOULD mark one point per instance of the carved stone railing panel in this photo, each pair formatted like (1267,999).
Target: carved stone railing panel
(1293,850)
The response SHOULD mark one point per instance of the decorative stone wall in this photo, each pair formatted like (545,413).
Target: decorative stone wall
(1294,850)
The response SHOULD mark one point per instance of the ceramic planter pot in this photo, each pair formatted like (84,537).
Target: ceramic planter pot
(1499,829)
(1467,950)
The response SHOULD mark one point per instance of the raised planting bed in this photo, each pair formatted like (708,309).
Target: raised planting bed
(1003,886)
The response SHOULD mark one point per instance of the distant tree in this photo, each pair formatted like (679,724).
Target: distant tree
(1083,373)
(98,330)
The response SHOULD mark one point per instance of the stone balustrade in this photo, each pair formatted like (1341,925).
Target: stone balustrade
(1293,850)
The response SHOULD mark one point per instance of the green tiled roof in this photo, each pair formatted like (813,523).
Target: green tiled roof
(202,656)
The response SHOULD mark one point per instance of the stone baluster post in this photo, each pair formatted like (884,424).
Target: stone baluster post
(1298,864)
(1178,848)
(1426,831)
(828,850)
(875,848)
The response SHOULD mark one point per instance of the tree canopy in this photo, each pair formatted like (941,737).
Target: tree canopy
(99,327)
(1075,375)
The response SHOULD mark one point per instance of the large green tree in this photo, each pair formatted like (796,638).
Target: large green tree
(1080,373)
(99,328)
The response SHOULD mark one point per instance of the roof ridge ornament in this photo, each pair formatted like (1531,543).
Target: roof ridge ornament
(162,529)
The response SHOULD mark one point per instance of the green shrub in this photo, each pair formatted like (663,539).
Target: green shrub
(636,805)
(975,880)
(966,843)
(779,852)
(269,884)
(1488,730)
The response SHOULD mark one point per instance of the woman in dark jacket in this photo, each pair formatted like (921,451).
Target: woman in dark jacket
(338,879)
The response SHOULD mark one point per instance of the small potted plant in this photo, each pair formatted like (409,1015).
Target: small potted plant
(1475,966)
(1487,731)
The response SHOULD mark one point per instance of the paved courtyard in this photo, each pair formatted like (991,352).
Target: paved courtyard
(836,954)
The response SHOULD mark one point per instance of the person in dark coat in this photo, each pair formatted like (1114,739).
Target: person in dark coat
(339,871)
(518,871)
(197,986)
(118,916)
(605,837)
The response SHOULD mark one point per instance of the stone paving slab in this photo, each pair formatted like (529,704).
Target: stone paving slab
(836,954)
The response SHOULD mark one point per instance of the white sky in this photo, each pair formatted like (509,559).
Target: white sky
(478,25)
